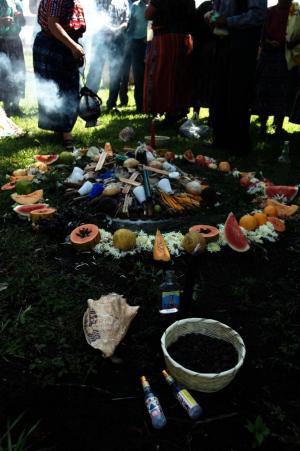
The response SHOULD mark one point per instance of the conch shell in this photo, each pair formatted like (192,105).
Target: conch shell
(106,321)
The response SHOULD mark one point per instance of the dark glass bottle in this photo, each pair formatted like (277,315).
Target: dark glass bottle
(170,294)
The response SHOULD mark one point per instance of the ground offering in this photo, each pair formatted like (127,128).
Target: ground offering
(203,354)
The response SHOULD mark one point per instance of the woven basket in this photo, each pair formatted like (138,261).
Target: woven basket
(203,382)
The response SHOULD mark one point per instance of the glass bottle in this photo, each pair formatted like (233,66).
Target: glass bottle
(285,154)
(184,398)
(152,403)
(170,294)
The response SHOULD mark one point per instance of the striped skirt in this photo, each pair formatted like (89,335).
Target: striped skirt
(57,79)
(167,84)
(12,70)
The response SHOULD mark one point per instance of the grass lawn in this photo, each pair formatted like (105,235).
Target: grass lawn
(81,399)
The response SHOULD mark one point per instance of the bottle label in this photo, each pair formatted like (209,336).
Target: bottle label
(170,300)
(153,406)
(186,400)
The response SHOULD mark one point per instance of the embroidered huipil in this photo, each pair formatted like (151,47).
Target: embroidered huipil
(69,12)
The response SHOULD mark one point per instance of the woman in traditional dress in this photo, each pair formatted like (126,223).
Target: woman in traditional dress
(57,56)
(167,83)
(12,65)
(276,79)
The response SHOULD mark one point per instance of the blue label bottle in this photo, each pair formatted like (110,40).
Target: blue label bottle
(152,403)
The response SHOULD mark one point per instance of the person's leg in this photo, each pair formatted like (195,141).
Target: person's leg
(278,122)
(263,124)
(115,72)
(98,57)
(240,92)
(138,49)
(125,70)
(219,97)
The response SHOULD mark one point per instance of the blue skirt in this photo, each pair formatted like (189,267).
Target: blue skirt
(57,78)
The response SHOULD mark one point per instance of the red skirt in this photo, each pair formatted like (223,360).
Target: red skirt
(167,82)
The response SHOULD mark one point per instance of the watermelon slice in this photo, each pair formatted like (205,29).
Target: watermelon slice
(25,210)
(234,235)
(47,159)
(289,192)
(8,186)
(189,156)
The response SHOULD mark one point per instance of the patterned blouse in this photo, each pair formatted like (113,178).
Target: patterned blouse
(69,12)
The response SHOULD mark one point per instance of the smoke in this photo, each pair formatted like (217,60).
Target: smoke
(11,79)
(97,46)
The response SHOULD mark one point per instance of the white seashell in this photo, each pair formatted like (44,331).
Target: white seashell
(193,187)
(106,321)
(131,163)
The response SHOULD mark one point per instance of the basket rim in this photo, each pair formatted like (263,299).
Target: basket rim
(211,376)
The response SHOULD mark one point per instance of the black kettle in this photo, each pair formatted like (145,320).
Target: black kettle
(89,106)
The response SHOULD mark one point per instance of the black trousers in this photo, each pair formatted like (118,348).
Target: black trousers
(232,93)
(137,52)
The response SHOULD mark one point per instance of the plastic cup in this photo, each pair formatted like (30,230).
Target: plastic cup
(169,167)
(76,175)
(165,186)
(85,188)
(139,193)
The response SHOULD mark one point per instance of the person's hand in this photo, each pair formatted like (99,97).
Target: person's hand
(77,51)
(6,21)
(220,22)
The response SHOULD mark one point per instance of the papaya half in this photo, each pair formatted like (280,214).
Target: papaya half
(160,249)
(85,237)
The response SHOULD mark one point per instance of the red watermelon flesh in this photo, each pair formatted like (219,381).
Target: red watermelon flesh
(25,210)
(234,235)
(280,190)
(47,159)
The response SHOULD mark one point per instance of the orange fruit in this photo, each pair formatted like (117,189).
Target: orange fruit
(248,222)
(270,210)
(261,218)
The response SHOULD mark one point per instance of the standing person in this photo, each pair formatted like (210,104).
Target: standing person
(203,55)
(110,44)
(234,70)
(167,84)
(276,83)
(12,64)
(137,33)
(57,56)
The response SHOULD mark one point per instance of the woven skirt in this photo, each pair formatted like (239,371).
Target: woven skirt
(57,78)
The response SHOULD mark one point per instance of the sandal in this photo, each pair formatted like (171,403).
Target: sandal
(68,144)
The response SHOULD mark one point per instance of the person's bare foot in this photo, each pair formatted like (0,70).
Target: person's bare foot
(68,141)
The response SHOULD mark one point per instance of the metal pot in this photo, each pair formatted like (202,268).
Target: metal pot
(89,106)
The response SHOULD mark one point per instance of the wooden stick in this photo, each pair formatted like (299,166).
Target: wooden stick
(127,188)
(101,161)
(129,181)
(157,171)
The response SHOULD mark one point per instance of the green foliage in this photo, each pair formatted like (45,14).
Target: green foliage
(12,441)
(259,430)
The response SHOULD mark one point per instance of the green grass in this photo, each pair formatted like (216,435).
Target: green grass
(44,289)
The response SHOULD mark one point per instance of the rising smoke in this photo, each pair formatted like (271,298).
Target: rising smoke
(93,43)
